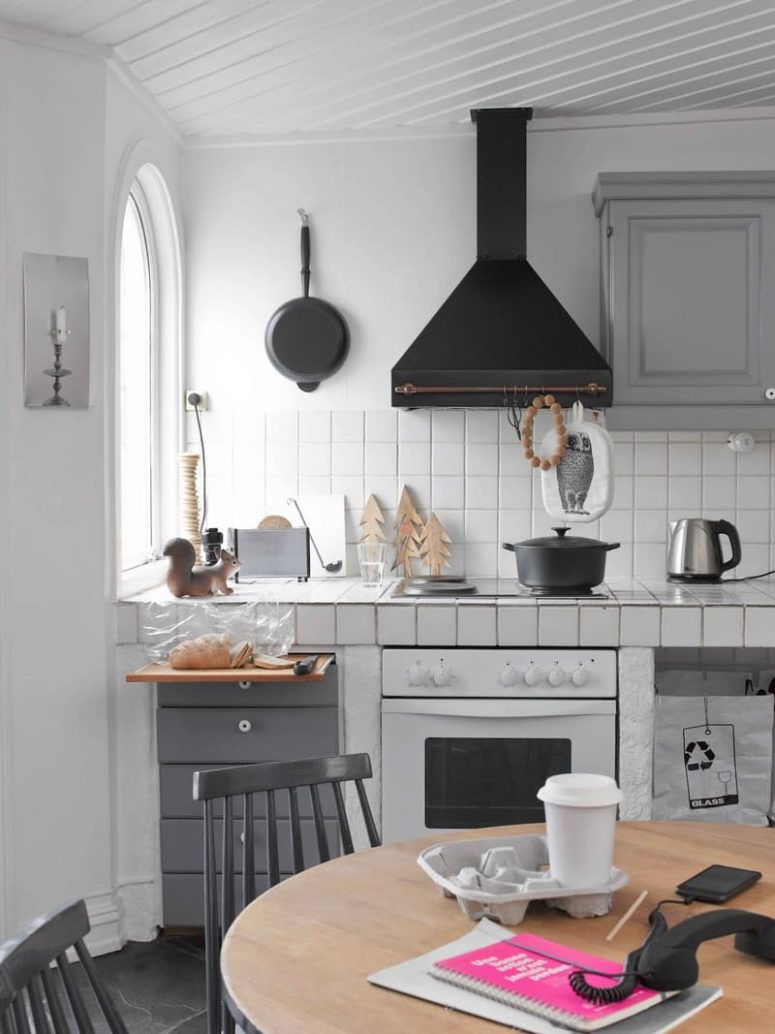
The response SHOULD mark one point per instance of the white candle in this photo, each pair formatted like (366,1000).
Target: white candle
(61,325)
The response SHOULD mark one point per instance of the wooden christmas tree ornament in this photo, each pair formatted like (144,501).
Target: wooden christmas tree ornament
(433,545)
(371,522)
(408,528)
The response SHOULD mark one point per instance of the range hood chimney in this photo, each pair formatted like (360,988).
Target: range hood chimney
(501,333)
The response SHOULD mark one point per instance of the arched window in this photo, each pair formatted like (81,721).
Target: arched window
(147,373)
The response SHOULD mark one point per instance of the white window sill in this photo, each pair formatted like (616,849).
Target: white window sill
(139,579)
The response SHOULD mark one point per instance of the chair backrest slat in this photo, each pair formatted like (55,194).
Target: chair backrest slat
(244,781)
(54,1002)
(82,1020)
(6,1023)
(344,825)
(320,828)
(109,1010)
(39,1017)
(248,852)
(296,848)
(272,859)
(20,1014)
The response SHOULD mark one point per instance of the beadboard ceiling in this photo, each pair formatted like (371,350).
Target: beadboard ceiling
(228,67)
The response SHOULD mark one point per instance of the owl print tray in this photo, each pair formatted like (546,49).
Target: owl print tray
(581,487)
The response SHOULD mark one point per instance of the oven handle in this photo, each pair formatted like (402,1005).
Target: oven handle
(468,707)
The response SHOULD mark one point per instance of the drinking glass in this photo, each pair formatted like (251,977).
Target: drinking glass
(371,559)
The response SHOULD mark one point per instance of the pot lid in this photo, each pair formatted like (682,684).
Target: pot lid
(559,541)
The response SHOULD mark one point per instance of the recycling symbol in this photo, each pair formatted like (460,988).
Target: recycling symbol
(698,756)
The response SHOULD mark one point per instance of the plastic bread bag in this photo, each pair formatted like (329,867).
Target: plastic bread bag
(267,624)
(165,625)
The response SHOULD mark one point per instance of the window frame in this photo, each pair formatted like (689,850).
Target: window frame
(147,188)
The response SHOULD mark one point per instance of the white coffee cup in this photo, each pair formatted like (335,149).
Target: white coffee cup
(580,822)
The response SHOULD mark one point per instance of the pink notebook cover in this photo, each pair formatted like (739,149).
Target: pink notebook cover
(510,966)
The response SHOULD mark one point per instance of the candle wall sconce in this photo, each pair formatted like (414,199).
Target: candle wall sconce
(56,331)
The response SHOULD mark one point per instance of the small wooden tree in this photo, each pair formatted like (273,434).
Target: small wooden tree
(408,527)
(371,521)
(433,545)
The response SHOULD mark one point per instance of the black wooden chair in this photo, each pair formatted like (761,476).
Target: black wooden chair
(237,786)
(31,998)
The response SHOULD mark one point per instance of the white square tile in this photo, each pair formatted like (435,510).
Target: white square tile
(558,626)
(481,425)
(650,436)
(640,626)
(760,626)
(481,526)
(355,624)
(314,485)
(757,461)
(482,493)
(314,426)
(753,525)
(685,458)
(684,436)
(314,459)
(315,624)
(396,625)
(753,493)
(649,559)
(414,425)
(717,459)
(381,459)
(347,425)
(685,494)
(516,493)
(514,526)
(420,490)
(619,562)
(718,493)
(650,493)
(384,488)
(381,425)
(624,458)
(511,462)
(448,459)
(282,459)
(722,626)
(543,523)
(650,526)
(616,526)
(353,491)
(448,425)
(436,625)
(623,492)
(481,459)
(756,560)
(454,523)
(414,458)
(650,459)
(346,459)
(598,626)
(681,626)
(507,565)
(277,492)
(517,626)
(447,493)
(476,625)
(126,623)
(282,427)
(482,559)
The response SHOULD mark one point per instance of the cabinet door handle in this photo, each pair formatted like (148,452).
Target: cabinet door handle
(769,394)
(245,725)
(245,684)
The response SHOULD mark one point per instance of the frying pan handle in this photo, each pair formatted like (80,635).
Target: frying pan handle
(304,253)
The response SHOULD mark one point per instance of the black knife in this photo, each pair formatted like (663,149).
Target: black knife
(305,665)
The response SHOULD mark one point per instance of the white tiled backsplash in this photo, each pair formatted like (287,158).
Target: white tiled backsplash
(468,468)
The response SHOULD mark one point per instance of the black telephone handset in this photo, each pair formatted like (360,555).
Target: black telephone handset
(667,959)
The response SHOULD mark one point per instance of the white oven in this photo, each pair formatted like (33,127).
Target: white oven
(468,736)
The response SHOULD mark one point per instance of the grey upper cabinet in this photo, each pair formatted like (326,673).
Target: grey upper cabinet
(688,296)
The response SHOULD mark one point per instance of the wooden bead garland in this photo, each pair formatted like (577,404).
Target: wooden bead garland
(555,409)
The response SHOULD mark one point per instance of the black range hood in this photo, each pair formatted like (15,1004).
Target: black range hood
(501,331)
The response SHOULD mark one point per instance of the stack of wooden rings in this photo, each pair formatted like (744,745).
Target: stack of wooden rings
(555,409)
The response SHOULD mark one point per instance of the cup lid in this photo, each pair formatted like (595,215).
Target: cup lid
(580,790)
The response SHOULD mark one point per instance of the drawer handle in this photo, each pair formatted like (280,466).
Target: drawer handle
(245,725)
(244,684)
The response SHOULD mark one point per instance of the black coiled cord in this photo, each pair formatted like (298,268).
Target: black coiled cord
(602,995)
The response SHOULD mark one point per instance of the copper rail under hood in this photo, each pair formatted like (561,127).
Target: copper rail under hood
(501,332)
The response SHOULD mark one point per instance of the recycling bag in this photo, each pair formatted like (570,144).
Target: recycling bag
(713,758)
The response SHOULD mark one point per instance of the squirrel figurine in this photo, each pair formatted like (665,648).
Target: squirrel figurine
(184,579)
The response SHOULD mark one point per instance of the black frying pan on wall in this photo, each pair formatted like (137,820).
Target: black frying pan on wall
(307,339)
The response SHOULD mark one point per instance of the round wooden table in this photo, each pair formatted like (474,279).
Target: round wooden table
(295,961)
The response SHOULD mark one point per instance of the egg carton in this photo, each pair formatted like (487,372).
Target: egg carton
(498,877)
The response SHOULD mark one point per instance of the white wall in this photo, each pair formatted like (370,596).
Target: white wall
(65,125)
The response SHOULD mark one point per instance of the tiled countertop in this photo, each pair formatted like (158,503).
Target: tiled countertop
(649,613)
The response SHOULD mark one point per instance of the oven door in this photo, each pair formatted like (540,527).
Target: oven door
(464,764)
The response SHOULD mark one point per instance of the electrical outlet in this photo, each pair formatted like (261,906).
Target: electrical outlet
(204,400)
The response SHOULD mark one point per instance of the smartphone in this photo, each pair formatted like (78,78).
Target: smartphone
(717,883)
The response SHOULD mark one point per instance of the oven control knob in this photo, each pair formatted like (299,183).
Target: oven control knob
(533,674)
(442,676)
(580,676)
(508,676)
(557,676)
(417,675)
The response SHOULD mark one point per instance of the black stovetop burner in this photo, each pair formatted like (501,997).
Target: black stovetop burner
(451,586)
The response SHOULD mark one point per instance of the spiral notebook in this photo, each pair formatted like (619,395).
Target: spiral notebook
(531,973)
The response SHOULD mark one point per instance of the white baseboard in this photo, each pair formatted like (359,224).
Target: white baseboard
(105,920)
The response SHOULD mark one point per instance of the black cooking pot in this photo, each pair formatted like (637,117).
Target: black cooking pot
(562,564)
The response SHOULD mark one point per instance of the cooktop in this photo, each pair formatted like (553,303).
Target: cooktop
(454,586)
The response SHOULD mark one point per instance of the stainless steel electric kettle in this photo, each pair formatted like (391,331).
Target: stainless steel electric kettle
(694,551)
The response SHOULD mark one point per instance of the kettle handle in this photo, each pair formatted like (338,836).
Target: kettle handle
(726,528)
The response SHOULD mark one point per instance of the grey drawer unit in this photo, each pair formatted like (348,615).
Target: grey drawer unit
(212,725)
